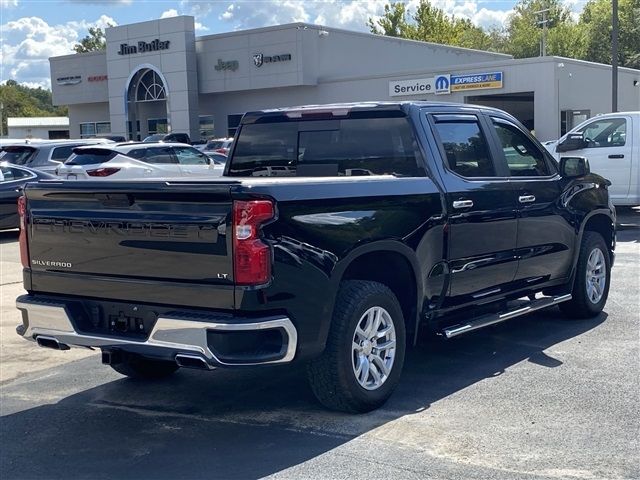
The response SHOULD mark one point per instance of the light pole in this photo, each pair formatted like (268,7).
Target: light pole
(544,22)
(614,56)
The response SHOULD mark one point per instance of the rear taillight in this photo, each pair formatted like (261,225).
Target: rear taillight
(251,256)
(22,240)
(102,172)
(221,150)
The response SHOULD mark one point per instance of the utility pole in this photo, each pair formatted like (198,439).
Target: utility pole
(614,56)
(545,23)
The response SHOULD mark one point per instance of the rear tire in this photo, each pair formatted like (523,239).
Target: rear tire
(363,359)
(593,277)
(142,368)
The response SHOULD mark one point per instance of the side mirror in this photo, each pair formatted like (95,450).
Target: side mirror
(573,141)
(574,167)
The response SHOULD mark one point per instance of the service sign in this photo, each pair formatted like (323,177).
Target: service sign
(476,81)
(417,86)
(445,84)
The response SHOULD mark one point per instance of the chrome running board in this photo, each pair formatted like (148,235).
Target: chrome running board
(493,318)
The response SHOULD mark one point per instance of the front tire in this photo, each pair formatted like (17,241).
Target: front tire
(593,277)
(363,359)
(142,368)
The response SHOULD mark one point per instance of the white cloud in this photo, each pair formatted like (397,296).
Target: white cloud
(28,42)
(172,12)
(490,18)
(228,13)
(349,14)
(8,3)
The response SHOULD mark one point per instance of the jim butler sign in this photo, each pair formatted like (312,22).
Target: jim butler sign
(143,47)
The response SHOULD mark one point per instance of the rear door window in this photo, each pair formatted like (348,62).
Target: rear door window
(345,147)
(190,156)
(10,174)
(157,155)
(465,146)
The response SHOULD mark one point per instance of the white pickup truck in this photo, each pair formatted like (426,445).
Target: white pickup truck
(611,143)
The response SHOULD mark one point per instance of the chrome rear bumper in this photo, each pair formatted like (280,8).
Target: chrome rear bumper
(171,335)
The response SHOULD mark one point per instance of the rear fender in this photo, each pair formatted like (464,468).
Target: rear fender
(383,246)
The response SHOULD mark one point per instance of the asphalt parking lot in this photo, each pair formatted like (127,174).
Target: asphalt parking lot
(537,397)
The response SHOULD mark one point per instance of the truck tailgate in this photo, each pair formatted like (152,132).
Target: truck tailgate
(157,242)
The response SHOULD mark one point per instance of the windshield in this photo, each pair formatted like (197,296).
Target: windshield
(17,155)
(348,147)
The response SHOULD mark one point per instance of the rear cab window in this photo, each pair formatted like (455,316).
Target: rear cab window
(360,146)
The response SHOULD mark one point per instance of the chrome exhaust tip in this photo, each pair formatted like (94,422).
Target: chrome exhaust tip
(192,361)
(51,342)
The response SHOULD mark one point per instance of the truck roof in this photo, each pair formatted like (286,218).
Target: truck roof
(346,109)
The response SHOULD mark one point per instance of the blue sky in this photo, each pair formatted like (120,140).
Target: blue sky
(31,31)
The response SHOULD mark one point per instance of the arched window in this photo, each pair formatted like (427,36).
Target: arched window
(150,87)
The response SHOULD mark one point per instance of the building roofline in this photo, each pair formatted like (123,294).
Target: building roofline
(85,54)
(311,26)
(18,122)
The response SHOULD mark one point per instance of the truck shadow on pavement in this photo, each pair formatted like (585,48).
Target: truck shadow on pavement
(235,424)
(9,236)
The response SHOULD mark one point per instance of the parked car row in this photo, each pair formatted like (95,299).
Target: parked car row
(94,159)
(44,155)
(12,180)
(77,159)
(138,160)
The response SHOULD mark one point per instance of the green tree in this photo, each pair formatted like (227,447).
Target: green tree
(22,101)
(596,23)
(393,23)
(524,34)
(429,24)
(93,42)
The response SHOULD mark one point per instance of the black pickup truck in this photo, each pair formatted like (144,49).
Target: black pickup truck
(336,233)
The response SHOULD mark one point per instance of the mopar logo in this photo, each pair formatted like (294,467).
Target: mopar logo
(442,83)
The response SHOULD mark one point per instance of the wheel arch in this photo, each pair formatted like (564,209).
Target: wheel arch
(601,221)
(393,264)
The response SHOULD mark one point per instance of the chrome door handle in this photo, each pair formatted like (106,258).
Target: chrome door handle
(527,198)
(462,203)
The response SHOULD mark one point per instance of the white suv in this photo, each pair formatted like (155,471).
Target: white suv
(138,160)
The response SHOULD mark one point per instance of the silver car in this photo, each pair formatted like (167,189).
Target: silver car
(44,155)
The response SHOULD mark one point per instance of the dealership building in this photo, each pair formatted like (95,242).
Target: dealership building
(157,76)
